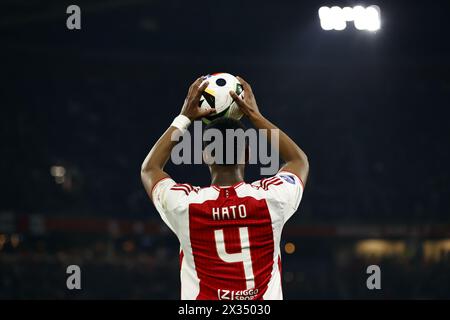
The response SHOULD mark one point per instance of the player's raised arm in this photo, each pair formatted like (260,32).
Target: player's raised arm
(152,169)
(295,159)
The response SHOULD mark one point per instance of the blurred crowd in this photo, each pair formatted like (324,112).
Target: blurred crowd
(129,269)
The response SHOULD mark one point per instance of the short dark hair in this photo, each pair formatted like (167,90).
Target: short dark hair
(222,124)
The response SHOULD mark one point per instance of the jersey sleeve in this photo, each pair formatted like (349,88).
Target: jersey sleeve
(285,191)
(170,199)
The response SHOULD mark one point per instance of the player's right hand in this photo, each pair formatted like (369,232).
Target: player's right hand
(191,107)
(247,104)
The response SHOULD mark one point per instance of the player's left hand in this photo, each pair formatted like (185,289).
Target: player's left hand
(248,104)
(191,107)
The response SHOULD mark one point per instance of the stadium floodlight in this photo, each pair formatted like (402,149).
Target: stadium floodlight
(336,18)
(373,18)
(348,13)
(325,21)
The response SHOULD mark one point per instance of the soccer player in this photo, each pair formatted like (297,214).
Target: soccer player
(229,232)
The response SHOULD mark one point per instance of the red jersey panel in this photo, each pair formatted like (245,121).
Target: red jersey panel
(232,243)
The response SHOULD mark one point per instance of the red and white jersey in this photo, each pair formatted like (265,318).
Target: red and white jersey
(230,236)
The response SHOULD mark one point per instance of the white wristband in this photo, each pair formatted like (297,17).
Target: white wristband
(181,122)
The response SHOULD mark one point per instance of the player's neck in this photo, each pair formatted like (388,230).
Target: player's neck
(226,175)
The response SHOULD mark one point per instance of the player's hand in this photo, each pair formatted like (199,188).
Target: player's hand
(247,104)
(191,107)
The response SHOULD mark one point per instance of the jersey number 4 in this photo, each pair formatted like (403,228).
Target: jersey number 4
(244,256)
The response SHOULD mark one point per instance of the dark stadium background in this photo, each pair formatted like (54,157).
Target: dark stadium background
(371,110)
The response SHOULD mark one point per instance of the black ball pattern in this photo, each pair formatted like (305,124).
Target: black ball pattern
(221,82)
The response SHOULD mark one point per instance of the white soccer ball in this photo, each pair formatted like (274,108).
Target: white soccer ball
(217,95)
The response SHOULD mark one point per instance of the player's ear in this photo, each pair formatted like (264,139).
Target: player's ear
(207,157)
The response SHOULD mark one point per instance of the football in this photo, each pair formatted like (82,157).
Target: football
(217,95)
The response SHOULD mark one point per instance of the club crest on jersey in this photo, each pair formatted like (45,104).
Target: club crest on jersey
(289,179)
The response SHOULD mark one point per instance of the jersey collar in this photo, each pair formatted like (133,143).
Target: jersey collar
(235,186)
